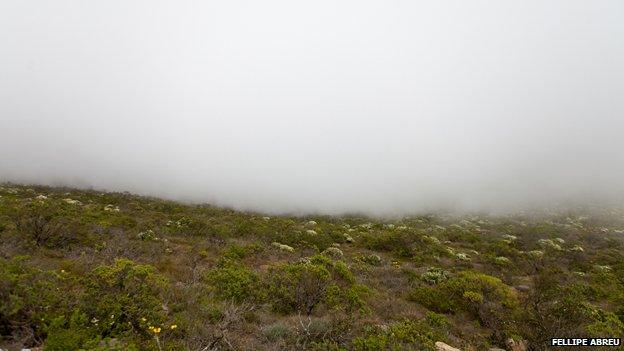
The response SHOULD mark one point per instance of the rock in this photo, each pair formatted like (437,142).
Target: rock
(523,288)
(495,349)
(440,346)
(109,343)
(513,345)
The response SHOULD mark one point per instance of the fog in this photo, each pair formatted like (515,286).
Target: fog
(381,107)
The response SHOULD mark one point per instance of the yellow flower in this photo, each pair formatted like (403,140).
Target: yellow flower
(173,326)
(143,319)
(156,330)
(151,327)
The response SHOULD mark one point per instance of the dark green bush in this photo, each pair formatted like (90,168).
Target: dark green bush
(302,286)
(486,298)
(29,297)
(233,281)
(406,335)
(398,242)
(48,223)
(124,298)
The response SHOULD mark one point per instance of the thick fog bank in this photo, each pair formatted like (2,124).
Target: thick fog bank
(381,107)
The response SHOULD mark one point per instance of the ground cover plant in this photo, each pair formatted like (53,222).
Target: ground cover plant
(87,270)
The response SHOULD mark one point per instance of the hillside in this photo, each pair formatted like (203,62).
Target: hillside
(114,271)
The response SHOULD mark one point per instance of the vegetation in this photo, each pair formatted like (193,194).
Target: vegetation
(85,270)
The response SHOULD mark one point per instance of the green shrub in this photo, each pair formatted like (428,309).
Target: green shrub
(398,242)
(123,298)
(239,252)
(372,259)
(604,324)
(406,335)
(276,331)
(302,286)
(435,275)
(29,296)
(486,298)
(48,223)
(298,287)
(450,295)
(68,334)
(233,281)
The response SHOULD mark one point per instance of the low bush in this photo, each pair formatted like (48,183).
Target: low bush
(304,285)
(406,335)
(234,281)
(484,297)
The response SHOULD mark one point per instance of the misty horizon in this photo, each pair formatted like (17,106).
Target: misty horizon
(382,108)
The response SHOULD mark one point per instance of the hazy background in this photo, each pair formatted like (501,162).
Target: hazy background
(385,107)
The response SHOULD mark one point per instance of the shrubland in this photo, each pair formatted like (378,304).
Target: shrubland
(86,270)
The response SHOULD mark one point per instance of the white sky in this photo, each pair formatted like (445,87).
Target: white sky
(384,107)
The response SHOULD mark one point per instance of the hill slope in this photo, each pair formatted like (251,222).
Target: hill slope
(113,271)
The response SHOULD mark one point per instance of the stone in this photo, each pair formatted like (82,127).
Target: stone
(513,345)
(440,346)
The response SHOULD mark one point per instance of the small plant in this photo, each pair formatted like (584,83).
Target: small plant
(277,331)
(147,235)
(371,259)
(435,275)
